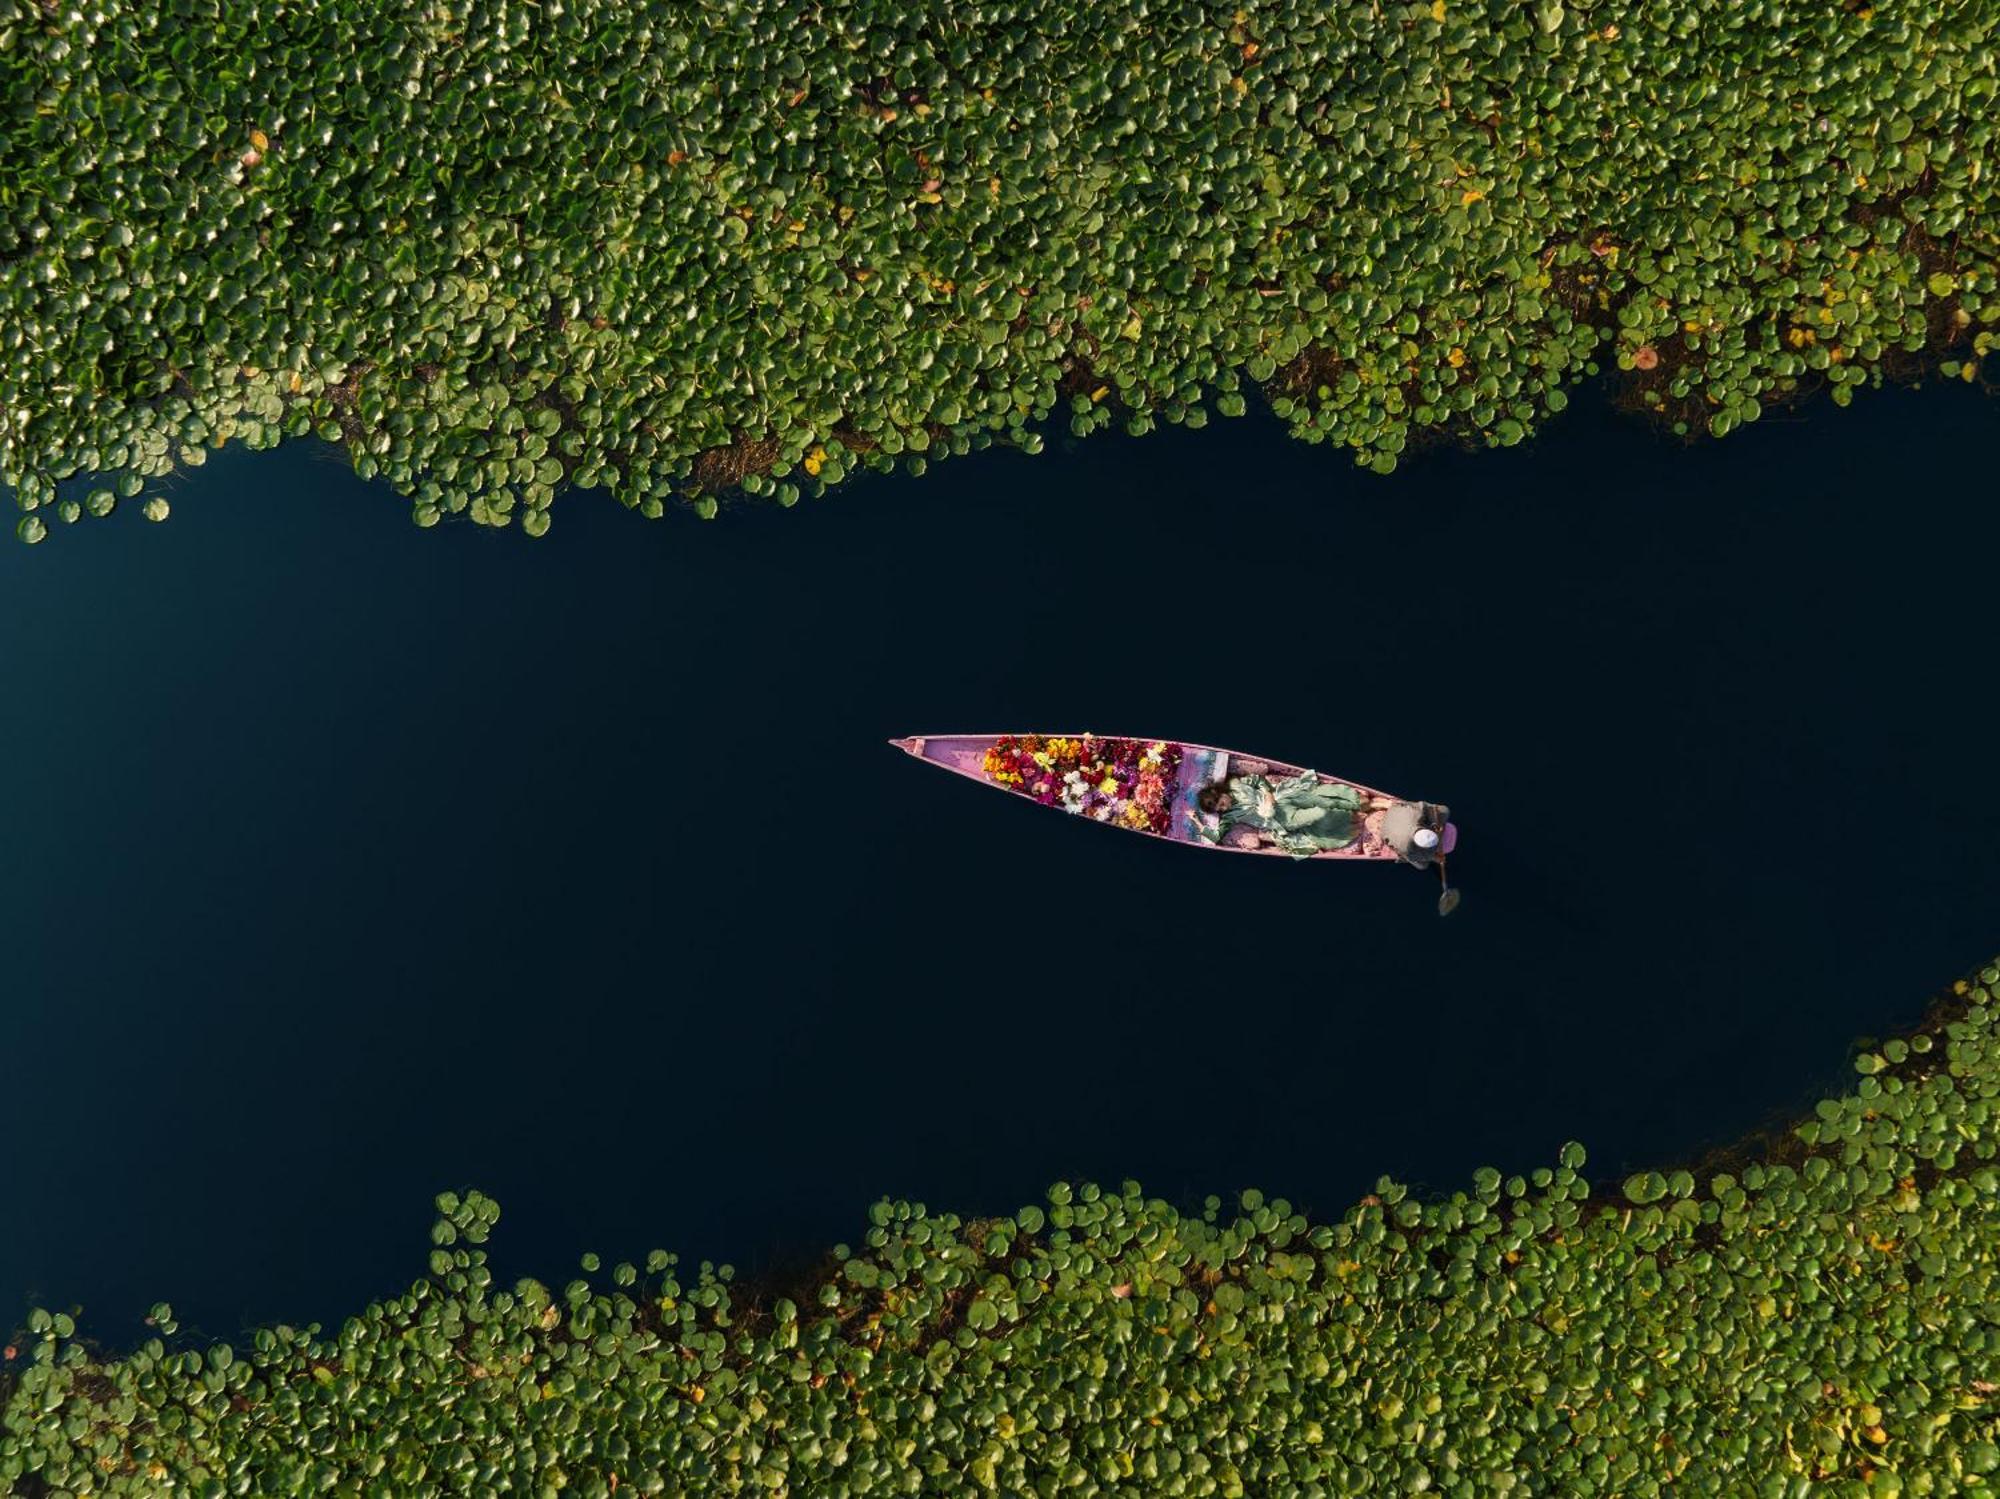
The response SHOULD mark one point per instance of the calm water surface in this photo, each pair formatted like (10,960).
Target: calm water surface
(346,862)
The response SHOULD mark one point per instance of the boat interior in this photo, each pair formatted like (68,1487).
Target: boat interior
(1200,766)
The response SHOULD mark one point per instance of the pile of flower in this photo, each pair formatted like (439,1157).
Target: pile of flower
(1126,781)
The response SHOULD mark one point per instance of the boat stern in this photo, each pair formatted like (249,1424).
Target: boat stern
(910,746)
(1419,833)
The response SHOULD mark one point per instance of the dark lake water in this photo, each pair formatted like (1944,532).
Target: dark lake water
(346,862)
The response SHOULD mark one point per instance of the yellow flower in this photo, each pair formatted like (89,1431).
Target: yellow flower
(1109,786)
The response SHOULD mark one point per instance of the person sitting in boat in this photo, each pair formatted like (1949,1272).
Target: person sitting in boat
(1300,814)
(1412,831)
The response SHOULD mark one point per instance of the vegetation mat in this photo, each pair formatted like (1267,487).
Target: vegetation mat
(1818,1316)
(497,248)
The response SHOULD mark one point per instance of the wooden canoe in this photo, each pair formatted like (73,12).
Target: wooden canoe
(1201,764)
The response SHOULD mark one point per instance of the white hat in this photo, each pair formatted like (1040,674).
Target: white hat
(1425,838)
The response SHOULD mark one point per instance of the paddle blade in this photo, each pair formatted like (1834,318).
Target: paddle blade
(1447,903)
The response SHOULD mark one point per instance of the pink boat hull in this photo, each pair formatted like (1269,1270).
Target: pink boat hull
(965,755)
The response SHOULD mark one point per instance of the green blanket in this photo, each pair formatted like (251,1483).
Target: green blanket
(1302,814)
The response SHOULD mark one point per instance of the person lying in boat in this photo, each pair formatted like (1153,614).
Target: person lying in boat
(1300,814)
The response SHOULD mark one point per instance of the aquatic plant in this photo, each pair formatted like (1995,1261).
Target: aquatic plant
(1818,1317)
(497,248)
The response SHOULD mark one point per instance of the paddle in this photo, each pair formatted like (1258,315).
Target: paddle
(1448,901)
